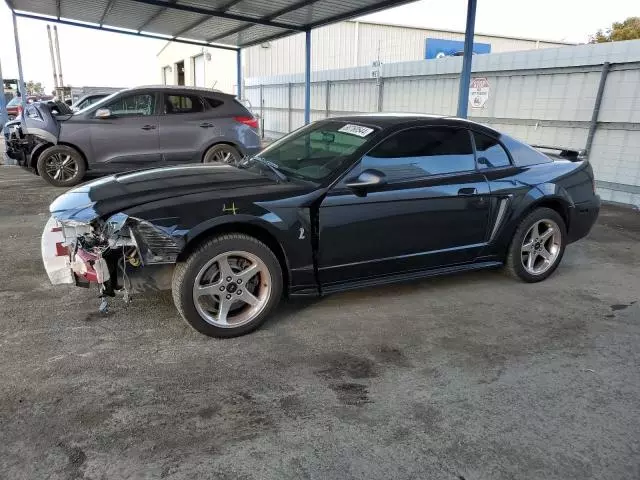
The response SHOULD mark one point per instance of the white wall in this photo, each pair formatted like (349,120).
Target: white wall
(543,97)
(351,44)
(220,71)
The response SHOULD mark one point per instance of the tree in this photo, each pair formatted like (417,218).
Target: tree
(34,88)
(626,30)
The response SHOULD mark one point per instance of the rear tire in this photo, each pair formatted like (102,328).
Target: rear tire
(61,166)
(222,153)
(228,286)
(537,246)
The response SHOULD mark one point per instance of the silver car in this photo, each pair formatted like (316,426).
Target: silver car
(132,129)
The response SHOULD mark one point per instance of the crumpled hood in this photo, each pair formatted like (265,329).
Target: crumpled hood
(115,193)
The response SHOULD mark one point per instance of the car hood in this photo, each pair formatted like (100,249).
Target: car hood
(116,193)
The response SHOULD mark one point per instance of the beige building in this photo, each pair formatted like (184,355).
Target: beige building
(182,64)
(341,45)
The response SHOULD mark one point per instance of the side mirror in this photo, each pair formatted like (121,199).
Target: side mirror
(103,113)
(368,180)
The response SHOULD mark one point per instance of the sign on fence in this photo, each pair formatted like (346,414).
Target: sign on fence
(478,92)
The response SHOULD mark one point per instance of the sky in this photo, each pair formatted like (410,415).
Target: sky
(92,58)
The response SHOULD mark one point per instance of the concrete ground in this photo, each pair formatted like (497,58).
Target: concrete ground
(474,376)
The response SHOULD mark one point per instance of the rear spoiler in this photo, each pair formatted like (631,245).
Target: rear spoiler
(566,153)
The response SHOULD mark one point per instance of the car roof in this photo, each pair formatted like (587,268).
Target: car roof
(388,120)
(178,88)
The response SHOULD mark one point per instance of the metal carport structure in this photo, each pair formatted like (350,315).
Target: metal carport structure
(226,24)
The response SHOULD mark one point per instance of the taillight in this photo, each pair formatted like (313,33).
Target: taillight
(249,121)
(19,109)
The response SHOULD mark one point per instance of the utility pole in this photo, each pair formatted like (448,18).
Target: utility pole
(53,61)
(55,36)
(21,86)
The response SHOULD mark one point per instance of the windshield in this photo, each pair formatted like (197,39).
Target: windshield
(13,102)
(315,152)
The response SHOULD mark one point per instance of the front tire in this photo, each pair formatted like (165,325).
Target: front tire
(537,246)
(61,166)
(228,286)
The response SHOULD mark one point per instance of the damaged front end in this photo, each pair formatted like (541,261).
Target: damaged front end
(38,125)
(18,145)
(120,254)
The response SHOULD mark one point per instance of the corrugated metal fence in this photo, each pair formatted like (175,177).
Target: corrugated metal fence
(541,96)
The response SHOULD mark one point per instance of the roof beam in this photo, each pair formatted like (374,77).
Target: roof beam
(224,8)
(213,13)
(106,11)
(154,16)
(264,40)
(124,32)
(271,16)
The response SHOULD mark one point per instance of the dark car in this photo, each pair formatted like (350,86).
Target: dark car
(88,100)
(134,128)
(340,204)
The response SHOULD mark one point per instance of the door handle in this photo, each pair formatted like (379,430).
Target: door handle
(468,191)
(206,125)
(149,127)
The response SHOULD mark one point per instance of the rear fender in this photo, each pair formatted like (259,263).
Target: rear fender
(547,194)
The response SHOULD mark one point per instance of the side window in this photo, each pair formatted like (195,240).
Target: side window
(133,105)
(420,152)
(214,102)
(490,152)
(182,104)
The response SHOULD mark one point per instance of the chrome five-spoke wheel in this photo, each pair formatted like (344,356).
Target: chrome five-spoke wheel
(232,289)
(541,246)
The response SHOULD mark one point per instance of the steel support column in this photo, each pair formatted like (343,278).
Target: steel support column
(465,75)
(239,72)
(21,87)
(3,104)
(307,76)
(593,125)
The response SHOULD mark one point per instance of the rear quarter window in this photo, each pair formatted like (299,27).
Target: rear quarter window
(523,154)
(214,102)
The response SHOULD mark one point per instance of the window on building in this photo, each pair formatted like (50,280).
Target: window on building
(182,104)
(489,152)
(421,152)
(166,76)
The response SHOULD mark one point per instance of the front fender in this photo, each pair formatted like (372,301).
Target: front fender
(273,224)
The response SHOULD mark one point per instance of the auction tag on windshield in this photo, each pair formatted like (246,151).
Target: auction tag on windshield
(356,130)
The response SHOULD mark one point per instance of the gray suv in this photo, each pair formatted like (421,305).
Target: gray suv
(132,129)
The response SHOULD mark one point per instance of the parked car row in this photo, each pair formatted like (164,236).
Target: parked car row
(131,129)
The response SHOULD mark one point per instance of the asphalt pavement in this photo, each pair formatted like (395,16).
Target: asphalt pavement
(474,376)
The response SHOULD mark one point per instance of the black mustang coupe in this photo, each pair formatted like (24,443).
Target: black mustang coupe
(339,204)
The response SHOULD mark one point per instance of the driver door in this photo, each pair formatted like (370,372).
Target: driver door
(129,138)
(430,209)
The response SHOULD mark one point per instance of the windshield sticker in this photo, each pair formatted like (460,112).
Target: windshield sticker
(356,130)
